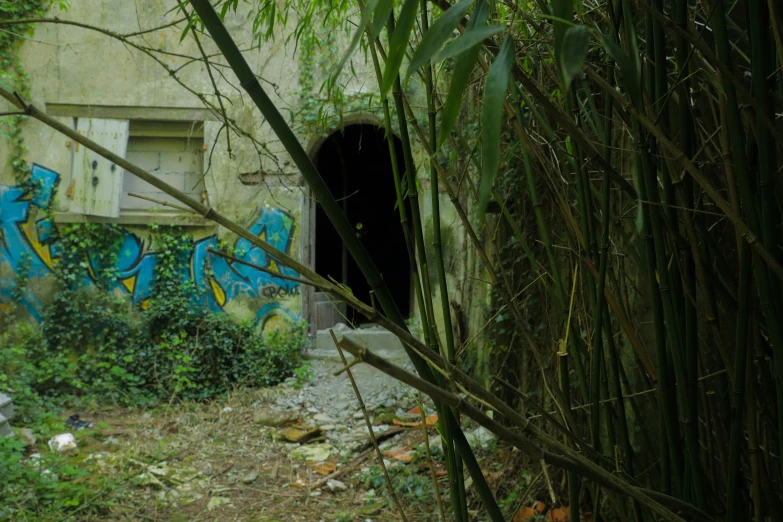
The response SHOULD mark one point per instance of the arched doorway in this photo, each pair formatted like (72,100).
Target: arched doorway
(356,165)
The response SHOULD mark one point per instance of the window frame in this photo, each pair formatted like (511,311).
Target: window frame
(141,118)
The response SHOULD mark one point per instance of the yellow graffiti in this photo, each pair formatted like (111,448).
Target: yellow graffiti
(275,323)
(42,250)
(273,266)
(218,292)
(129,283)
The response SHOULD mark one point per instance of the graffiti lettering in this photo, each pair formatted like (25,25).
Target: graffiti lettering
(216,280)
(280,292)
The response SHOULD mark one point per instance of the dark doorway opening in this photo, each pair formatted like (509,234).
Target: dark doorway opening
(356,165)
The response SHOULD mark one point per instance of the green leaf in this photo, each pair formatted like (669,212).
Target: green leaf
(468,40)
(626,64)
(381,16)
(495,88)
(369,8)
(573,53)
(460,76)
(563,12)
(398,44)
(437,34)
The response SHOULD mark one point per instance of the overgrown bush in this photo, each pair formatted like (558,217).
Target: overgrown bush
(92,344)
(49,483)
(95,343)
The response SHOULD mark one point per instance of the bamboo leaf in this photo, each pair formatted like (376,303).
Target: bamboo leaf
(369,8)
(381,16)
(563,13)
(491,120)
(461,75)
(435,37)
(468,40)
(573,53)
(625,63)
(398,44)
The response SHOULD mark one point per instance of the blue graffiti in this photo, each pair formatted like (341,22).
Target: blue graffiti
(31,248)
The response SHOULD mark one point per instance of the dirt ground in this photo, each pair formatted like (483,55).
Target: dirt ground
(223,461)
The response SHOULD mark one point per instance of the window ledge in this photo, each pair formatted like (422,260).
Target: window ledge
(138,219)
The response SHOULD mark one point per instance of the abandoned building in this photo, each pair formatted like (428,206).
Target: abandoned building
(152,101)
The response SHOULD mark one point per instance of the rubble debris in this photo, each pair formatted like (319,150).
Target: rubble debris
(75,422)
(62,442)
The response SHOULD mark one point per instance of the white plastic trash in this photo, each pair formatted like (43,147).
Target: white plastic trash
(62,442)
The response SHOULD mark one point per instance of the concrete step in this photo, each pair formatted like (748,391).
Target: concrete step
(378,339)
(5,428)
(6,413)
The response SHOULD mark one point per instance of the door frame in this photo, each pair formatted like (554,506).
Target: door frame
(309,209)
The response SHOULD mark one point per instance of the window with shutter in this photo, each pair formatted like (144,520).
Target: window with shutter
(171,150)
(96,181)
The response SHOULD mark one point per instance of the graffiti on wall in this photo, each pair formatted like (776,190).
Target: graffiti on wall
(28,245)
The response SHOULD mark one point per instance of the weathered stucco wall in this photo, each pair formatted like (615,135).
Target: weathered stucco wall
(77,71)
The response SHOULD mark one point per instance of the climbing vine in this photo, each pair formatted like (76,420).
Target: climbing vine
(324,105)
(93,341)
(14,77)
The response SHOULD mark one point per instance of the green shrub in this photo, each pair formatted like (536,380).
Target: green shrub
(92,343)
(50,485)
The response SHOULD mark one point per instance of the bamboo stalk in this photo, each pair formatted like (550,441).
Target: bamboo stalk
(370,430)
(583,466)
(733,487)
(458,485)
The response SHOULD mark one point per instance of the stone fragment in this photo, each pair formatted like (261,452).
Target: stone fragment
(322,417)
(312,452)
(26,436)
(336,485)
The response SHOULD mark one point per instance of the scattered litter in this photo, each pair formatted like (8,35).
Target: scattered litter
(250,477)
(323,468)
(313,452)
(78,424)
(270,417)
(479,437)
(299,435)
(62,442)
(431,420)
(336,485)
(372,509)
(402,454)
(216,502)
(150,480)
(227,409)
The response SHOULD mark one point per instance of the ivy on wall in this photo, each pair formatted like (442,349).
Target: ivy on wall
(322,106)
(13,75)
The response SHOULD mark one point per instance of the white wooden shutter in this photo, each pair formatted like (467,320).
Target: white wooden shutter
(97,182)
